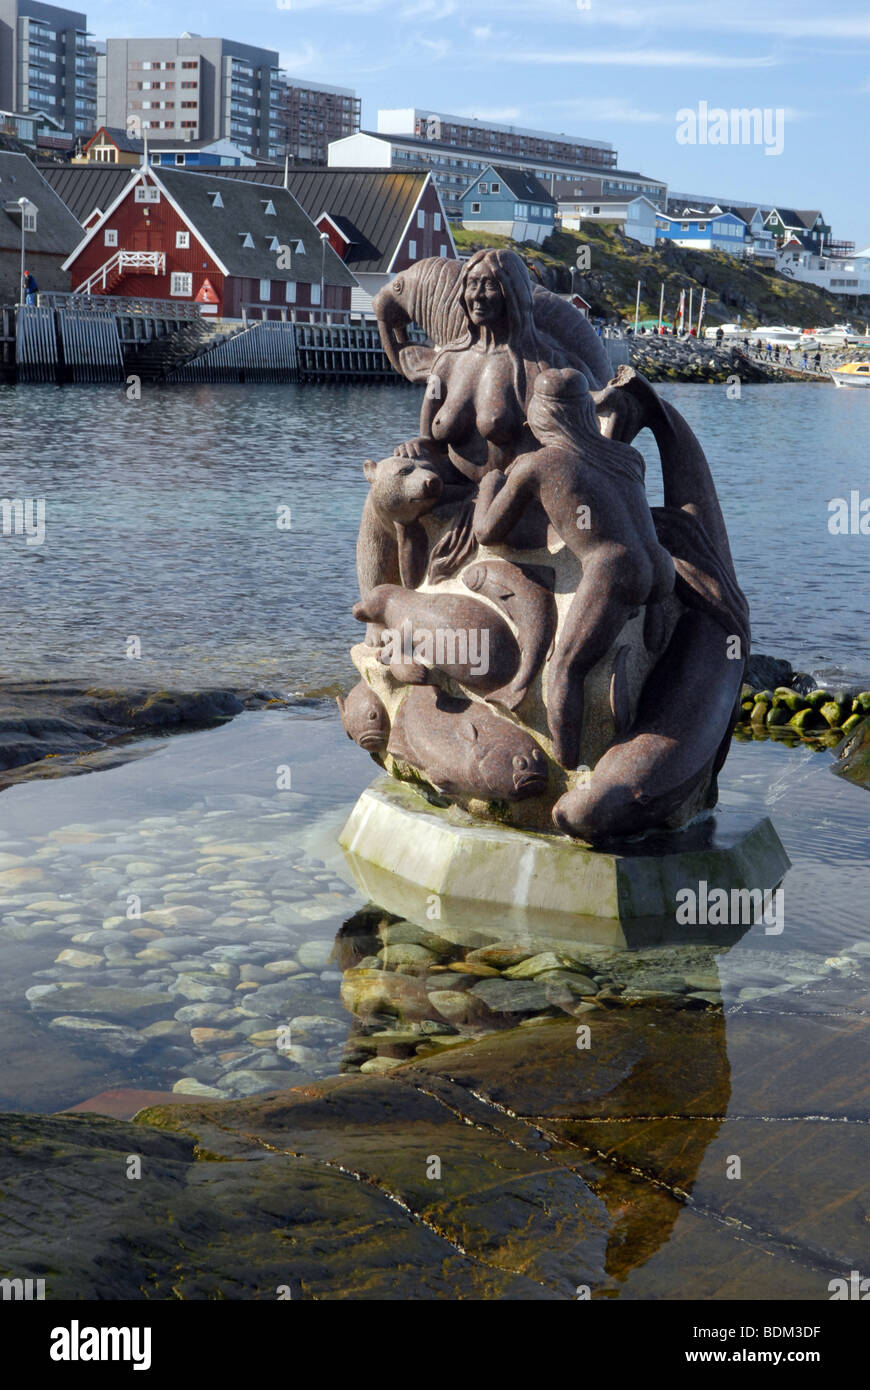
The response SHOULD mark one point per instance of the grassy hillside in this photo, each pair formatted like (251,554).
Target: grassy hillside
(757,293)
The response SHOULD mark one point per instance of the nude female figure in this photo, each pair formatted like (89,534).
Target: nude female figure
(593,493)
(479,383)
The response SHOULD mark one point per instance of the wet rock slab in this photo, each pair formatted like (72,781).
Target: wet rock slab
(520,1166)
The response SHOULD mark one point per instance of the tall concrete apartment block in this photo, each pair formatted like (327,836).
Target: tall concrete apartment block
(468,132)
(48,64)
(207,89)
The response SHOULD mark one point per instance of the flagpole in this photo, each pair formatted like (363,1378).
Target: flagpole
(701,309)
(661,307)
(691,298)
(637,309)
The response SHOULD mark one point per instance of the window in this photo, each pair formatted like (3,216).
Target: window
(290,291)
(110,237)
(412,250)
(436,221)
(475,207)
(315,294)
(702,226)
(483,187)
(684,226)
(180,158)
(182,241)
(265,291)
(181,283)
(146,193)
(421,218)
(442,250)
(496,188)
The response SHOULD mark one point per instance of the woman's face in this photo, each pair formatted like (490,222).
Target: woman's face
(484,299)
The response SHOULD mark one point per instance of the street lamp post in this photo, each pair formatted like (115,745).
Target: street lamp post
(23,204)
(324,238)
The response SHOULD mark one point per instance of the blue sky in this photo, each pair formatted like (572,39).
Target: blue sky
(615,71)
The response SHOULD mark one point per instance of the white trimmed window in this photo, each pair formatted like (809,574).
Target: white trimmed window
(412,250)
(496,188)
(315,294)
(181,284)
(182,241)
(110,236)
(442,250)
(475,207)
(421,218)
(436,221)
(265,291)
(290,291)
(146,193)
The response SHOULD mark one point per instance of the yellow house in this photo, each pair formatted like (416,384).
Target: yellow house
(111,146)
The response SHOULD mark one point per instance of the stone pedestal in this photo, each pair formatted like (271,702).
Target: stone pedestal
(440,867)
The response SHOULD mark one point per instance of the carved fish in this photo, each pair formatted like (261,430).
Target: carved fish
(365,718)
(518,592)
(465,639)
(463,748)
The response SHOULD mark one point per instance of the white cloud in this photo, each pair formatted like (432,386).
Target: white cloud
(636,57)
(737,16)
(482,31)
(608,109)
(500,114)
(439,48)
(427,9)
(298,59)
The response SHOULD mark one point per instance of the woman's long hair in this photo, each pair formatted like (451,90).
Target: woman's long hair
(562,414)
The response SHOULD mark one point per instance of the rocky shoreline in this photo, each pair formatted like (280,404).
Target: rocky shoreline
(688,359)
(52,729)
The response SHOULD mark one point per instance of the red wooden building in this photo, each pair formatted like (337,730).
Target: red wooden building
(219,242)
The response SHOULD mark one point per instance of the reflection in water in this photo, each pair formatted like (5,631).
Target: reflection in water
(255,966)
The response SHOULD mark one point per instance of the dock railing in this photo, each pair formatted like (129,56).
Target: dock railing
(119,304)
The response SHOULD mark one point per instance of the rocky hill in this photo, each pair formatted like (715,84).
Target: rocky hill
(734,287)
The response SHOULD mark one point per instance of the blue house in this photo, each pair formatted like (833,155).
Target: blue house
(510,202)
(704,231)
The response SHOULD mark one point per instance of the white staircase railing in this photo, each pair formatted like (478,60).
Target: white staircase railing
(123,261)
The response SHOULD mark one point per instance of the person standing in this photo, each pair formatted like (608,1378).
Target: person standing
(31,289)
(818,361)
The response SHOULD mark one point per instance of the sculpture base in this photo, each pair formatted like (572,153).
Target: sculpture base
(436,865)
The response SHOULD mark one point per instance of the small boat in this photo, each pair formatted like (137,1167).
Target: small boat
(777,333)
(851,374)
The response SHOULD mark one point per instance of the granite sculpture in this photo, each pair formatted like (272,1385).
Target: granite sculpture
(542,647)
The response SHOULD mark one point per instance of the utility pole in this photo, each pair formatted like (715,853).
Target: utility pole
(324,238)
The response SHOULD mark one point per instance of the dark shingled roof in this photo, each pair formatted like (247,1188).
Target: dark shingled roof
(519,183)
(372,207)
(57,230)
(244,210)
(84,187)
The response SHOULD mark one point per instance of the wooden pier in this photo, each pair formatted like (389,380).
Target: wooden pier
(79,338)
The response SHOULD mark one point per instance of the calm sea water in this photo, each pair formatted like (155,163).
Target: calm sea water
(161,523)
